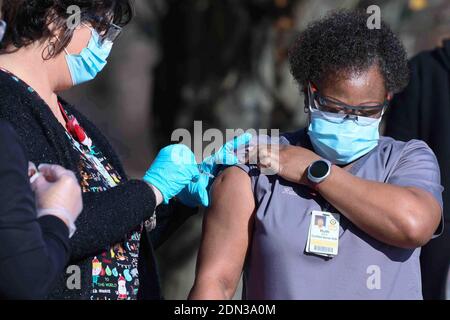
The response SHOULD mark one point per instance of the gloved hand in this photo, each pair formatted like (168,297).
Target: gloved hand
(226,155)
(57,193)
(197,192)
(172,170)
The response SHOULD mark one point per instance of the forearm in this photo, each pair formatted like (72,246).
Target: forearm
(40,253)
(109,216)
(388,213)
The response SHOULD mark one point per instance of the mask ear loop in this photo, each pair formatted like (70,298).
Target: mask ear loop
(308,99)
(82,24)
(65,49)
(307,107)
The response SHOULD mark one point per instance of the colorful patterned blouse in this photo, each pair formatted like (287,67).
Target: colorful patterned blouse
(114,272)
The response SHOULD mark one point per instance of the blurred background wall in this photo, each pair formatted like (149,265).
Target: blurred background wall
(222,62)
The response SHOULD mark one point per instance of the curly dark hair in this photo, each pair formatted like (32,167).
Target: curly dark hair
(29,20)
(342,44)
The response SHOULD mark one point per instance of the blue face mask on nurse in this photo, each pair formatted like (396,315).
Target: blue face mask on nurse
(339,132)
(87,64)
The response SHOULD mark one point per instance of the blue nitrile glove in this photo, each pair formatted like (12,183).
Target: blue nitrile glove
(197,192)
(172,170)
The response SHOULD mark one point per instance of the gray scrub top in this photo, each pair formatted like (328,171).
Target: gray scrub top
(277,266)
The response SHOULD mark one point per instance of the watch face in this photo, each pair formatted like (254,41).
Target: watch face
(319,169)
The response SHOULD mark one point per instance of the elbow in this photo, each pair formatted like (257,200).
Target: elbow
(414,234)
(228,287)
(415,229)
(212,288)
(420,219)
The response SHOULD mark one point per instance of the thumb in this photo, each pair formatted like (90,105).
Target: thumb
(238,142)
(199,190)
(234,147)
(203,195)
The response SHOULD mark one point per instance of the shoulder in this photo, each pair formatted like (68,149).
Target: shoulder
(231,174)
(11,93)
(234,178)
(232,201)
(233,183)
(413,153)
(5,131)
(388,144)
(11,86)
(11,149)
(8,135)
(17,105)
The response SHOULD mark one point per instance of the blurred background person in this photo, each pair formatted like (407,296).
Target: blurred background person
(34,229)
(422,111)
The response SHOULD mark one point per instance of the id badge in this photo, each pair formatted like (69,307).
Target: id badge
(323,234)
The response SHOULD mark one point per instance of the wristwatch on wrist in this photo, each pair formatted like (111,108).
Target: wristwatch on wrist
(319,170)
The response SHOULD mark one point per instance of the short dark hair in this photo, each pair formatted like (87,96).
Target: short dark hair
(341,44)
(29,20)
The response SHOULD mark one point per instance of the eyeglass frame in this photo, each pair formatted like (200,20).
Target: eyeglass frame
(345,107)
(112,34)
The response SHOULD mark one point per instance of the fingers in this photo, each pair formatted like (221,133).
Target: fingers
(199,191)
(178,154)
(32,170)
(48,173)
(238,142)
(38,183)
(53,172)
(266,157)
(235,149)
(203,195)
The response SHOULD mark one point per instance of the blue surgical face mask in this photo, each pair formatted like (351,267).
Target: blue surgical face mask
(85,66)
(342,141)
(2,29)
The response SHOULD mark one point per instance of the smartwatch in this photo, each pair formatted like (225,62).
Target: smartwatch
(319,170)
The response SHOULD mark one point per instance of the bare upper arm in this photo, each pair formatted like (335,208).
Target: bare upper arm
(227,229)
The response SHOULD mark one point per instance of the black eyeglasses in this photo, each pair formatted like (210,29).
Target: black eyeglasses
(330,105)
(108,30)
(112,34)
